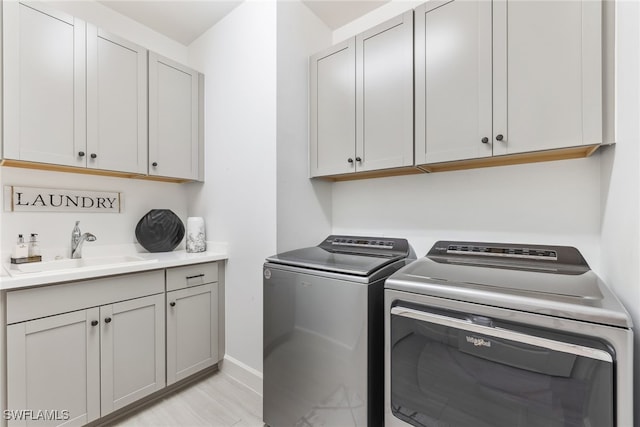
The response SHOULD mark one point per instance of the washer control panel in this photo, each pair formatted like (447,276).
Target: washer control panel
(381,246)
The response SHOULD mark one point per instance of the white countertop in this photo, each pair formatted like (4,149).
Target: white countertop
(148,261)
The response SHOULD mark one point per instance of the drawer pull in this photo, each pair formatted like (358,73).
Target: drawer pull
(196,276)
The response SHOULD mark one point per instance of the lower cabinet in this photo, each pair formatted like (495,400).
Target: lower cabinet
(54,364)
(82,365)
(131,351)
(192,330)
(78,351)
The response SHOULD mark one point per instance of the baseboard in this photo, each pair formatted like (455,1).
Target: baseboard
(242,373)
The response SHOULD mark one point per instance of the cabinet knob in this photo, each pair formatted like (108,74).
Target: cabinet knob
(499,137)
(485,140)
(172,303)
(358,159)
(350,160)
(107,320)
(154,164)
(80,153)
(94,323)
(94,155)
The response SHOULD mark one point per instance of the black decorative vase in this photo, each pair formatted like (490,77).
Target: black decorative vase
(160,230)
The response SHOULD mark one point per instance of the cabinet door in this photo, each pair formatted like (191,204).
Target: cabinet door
(547,74)
(173,119)
(384,95)
(53,365)
(332,100)
(453,81)
(132,351)
(192,330)
(44,85)
(116,103)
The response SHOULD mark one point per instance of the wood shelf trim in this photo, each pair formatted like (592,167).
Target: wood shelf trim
(410,170)
(505,160)
(514,159)
(86,171)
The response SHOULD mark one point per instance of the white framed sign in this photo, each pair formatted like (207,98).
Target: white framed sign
(35,199)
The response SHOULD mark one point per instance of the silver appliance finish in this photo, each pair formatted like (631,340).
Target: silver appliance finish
(546,288)
(324,331)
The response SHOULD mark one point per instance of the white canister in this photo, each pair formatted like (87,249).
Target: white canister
(195,234)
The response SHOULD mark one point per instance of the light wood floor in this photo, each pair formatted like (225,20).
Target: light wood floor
(216,401)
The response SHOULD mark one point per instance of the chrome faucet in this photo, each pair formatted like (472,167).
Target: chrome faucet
(77,239)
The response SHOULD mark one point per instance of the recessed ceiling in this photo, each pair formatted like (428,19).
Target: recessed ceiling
(186,20)
(336,13)
(180,20)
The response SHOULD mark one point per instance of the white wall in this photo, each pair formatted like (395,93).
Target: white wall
(54,228)
(547,203)
(620,242)
(304,206)
(238,198)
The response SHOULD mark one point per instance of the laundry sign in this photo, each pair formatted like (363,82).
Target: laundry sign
(34,199)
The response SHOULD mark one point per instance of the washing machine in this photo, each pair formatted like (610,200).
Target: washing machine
(324,331)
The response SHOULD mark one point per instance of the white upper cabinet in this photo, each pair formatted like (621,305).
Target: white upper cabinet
(173,119)
(547,74)
(76,95)
(333,110)
(506,77)
(453,81)
(116,103)
(384,95)
(44,85)
(361,101)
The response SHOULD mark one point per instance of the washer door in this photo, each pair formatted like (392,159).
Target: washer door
(455,369)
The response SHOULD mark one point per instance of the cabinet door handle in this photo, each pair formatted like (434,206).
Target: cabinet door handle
(485,140)
(358,159)
(80,153)
(350,160)
(94,155)
(94,323)
(499,137)
(172,303)
(107,320)
(196,276)
(154,164)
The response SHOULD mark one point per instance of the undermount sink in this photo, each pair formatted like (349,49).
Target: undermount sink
(73,264)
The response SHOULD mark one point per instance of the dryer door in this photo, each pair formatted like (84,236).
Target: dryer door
(457,369)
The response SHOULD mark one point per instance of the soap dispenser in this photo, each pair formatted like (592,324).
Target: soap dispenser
(34,246)
(21,250)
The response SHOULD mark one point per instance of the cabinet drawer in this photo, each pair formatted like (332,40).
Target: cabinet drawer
(191,275)
(45,301)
